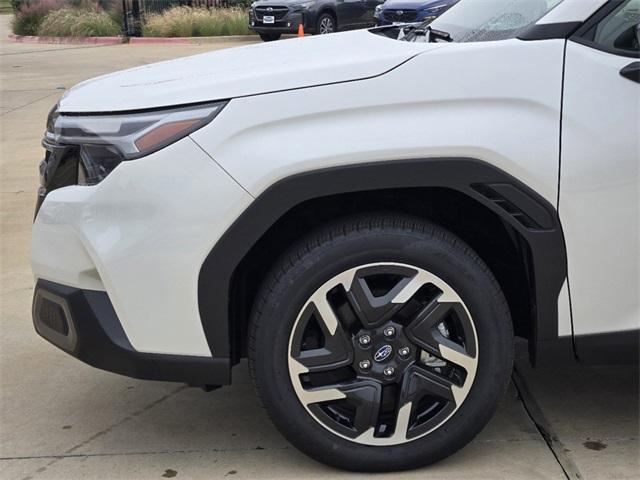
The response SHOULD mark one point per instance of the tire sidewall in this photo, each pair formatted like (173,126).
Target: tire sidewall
(449,259)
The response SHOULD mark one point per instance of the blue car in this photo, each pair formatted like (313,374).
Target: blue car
(407,11)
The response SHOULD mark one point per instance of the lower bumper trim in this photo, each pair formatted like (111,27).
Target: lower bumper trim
(84,324)
(292,29)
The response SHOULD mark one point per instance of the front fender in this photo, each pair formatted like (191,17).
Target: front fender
(527,212)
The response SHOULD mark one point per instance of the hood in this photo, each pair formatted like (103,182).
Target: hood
(236,72)
(414,4)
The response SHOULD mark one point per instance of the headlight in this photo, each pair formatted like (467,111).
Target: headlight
(376,12)
(302,5)
(103,141)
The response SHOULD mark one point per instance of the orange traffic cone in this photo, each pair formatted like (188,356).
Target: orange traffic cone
(300,30)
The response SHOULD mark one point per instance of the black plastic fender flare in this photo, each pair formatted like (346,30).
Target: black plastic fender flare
(518,205)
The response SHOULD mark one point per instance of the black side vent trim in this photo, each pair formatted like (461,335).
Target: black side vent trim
(524,209)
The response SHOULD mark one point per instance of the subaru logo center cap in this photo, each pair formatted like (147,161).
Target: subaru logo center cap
(382,353)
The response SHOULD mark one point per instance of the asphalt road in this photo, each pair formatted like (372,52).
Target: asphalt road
(62,419)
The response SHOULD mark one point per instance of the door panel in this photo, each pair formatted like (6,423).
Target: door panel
(599,189)
(350,13)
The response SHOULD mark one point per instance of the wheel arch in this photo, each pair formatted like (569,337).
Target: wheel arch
(330,10)
(488,199)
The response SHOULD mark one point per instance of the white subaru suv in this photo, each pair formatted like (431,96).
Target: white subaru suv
(369,217)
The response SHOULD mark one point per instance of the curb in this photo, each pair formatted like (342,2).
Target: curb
(192,40)
(68,40)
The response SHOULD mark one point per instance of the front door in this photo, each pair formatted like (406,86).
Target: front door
(350,13)
(599,200)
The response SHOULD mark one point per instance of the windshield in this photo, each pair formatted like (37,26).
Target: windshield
(486,20)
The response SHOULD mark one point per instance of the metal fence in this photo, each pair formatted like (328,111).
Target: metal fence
(155,6)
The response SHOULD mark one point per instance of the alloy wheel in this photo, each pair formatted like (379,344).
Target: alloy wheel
(383,354)
(326,26)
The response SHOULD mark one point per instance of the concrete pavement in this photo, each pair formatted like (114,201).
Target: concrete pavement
(60,419)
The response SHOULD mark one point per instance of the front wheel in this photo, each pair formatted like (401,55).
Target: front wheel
(372,335)
(326,24)
(270,37)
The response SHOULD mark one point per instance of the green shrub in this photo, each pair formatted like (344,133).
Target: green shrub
(113,8)
(237,3)
(196,22)
(74,22)
(6,6)
(31,14)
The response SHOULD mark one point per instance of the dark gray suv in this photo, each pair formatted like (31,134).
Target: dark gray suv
(272,18)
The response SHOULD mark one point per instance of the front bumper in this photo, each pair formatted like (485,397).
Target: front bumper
(84,324)
(288,23)
(140,237)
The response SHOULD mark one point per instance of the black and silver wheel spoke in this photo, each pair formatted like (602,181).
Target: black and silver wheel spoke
(373,302)
(431,328)
(357,409)
(321,343)
(419,382)
(393,365)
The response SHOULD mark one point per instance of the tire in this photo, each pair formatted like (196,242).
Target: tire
(326,24)
(362,258)
(270,37)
